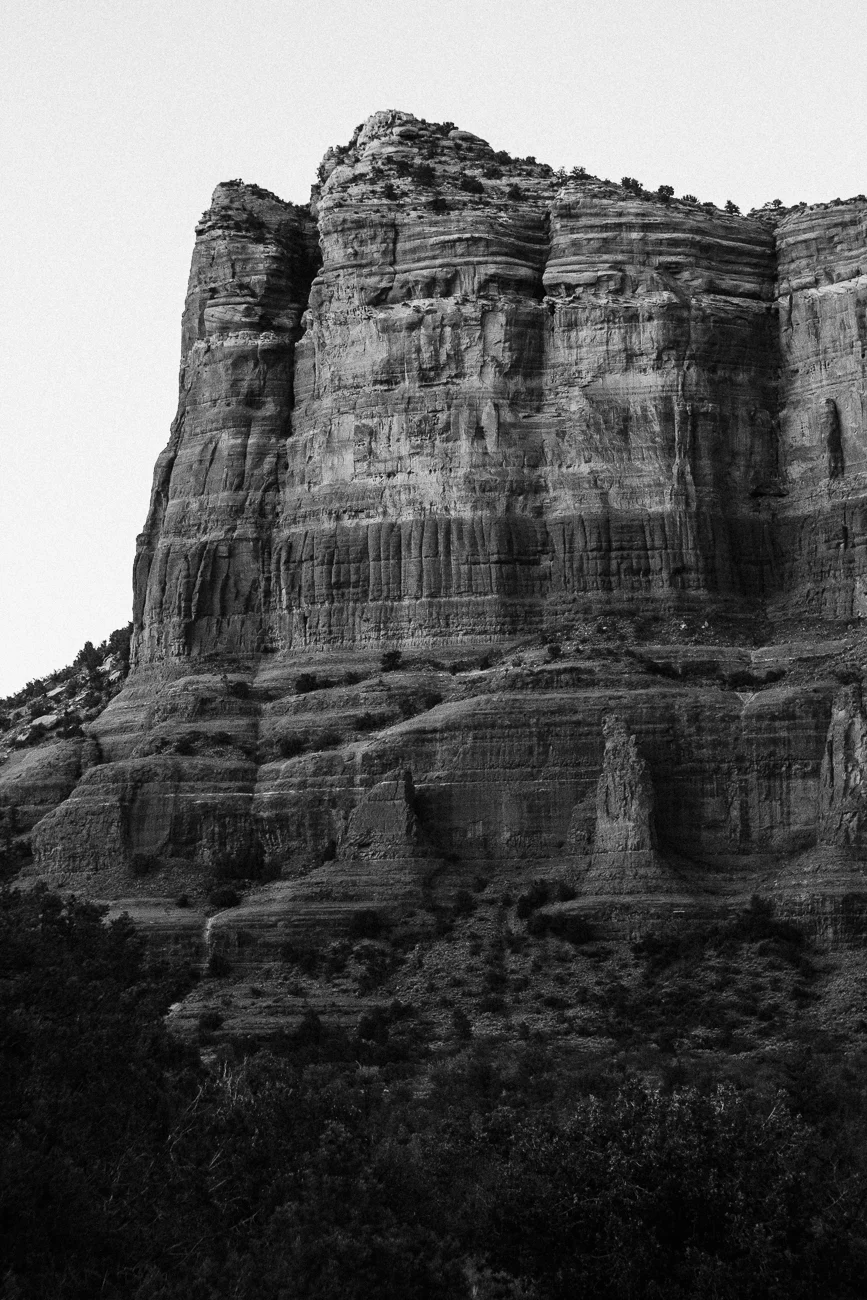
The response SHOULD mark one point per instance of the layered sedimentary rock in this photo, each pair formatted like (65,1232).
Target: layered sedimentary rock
(822,300)
(843,788)
(626,859)
(203,568)
(510,395)
(464,406)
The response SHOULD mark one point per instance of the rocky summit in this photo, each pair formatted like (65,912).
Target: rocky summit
(512,527)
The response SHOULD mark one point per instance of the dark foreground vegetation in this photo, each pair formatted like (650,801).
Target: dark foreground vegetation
(365,1165)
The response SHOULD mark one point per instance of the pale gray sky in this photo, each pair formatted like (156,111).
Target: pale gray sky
(118,117)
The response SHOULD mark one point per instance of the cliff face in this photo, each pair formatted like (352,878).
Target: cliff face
(203,567)
(466,407)
(510,396)
(822,294)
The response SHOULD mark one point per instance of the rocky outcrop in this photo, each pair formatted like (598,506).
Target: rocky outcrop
(520,399)
(202,571)
(33,781)
(384,822)
(465,407)
(625,815)
(822,298)
(625,856)
(843,779)
(507,396)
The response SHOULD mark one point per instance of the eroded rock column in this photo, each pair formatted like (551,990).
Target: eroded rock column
(842,816)
(625,858)
(202,570)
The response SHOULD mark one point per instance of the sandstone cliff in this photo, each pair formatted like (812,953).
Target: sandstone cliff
(510,396)
(467,407)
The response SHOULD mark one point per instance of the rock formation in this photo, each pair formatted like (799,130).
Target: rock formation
(384,822)
(625,855)
(510,395)
(843,778)
(467,408)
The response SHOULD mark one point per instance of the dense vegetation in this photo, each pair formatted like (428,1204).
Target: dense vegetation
(358,1165)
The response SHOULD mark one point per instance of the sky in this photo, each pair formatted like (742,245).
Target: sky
(118,118)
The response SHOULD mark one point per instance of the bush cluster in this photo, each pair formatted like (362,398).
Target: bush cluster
(129,1170)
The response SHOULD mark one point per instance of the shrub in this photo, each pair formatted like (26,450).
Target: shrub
(239,690)
(373,1026)
(732,208)
(464,904)
(87,658)
(631,184)
(470,184)
(688,198)
(369,721)
(846,675)
(377,960)
(309,1029)
(36,733)
(219,965)
(69,725)
(461,1025)
(303,955)
(536,896)
(182,900)
(438,204)
(745,678)
(290,746)
(666,193)
(224,896)
(366,923)
(209,1021)
(330,738)
(388,191)
(186,743)
(305,683)
(424,174)
(568,926)
(119,643)
(492,173)
(554,650)
(514,193)
(390,661)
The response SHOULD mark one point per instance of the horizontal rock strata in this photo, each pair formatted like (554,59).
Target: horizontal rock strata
(463,406)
